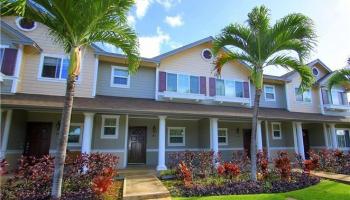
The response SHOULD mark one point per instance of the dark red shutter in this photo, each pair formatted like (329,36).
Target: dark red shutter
(246,90)
(203,85)
(344,98)
(325,97)
(212,87)
(9,62)
(162,81)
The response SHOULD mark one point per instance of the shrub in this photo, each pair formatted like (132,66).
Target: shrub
(283,166)
(3,167)
(232,170)
(186,174)
(241,159)
(262,164)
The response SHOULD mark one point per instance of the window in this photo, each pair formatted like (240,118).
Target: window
(110,125)
(222,136)
(304,97)
(120,77)
(270,94)
(207,54)
(276,130)
(54,67)
(182,83)
(229,88)
(176,136)
(74,134)
(343,138)
(25,24)
(315,71)
(337,97)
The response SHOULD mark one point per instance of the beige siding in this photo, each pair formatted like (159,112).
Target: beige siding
(295,106)
(190,62)
(29,82)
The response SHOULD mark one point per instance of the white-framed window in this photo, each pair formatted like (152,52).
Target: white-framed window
(315,71)
(182,83)
(229,88)
(222,136)
(270,93)
(276,130)
(54,67)
(120,77)
(74,134)
(303,97)
(176,136)
(337,97)
(343,138)
(207,55)
(110,126)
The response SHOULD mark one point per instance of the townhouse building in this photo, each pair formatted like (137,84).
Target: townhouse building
(174,102)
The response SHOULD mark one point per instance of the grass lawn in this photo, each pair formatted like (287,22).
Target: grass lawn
(325,190)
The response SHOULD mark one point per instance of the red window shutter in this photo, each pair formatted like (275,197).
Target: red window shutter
(9,62)
(246,90)
(162,81)
(212,87)
(325,97)
(203,85)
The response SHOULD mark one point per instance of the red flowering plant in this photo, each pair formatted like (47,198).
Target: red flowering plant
(186,175)
(263,165)
(228,169)
(283,166)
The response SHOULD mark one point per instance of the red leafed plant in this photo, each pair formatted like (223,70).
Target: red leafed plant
(100,184)
(262,164)
(3,167)
(232,170)
(221,170)
(186,174)
(282,163)
(308,166)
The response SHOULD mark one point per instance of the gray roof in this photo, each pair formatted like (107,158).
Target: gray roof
(310,64)
(19,37)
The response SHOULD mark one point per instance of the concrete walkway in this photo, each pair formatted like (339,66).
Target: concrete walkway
(332,176)
(142,183)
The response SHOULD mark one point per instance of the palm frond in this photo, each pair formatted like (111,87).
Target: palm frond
(226,57)
(340,77)
(259,19)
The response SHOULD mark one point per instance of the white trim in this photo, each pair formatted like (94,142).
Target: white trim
(273,130)
(274,92)
(116,133)
(226,136)
(126,140)
(112,84)
(24,29)
(282,148)
(80,135)
(205,59)
(41,65)
(157,83)
(94,86)
(183,137)
(107,150)
(6,133)
(3,46)
(231,149)
(17,68)
(318,71)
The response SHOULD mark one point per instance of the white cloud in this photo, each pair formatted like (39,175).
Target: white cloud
(174,21)
(131,20)
(142,7)
(150,46)
(167,4)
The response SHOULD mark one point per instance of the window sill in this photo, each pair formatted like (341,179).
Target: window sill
(178,95)
(55,80)
(344,108)
(109,137)
(120,86)
(232,99)
(176,145)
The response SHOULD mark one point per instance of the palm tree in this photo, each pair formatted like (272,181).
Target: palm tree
(259,44)
(75,25)
(340,77)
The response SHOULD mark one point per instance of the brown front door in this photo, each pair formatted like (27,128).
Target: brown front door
(37,139)
(247,135)
(306,143)
(137,145)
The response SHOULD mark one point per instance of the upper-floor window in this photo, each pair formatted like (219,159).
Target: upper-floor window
(75,133)
(25,24)
(315,71)
(8,58)
(176,136)
(120,77)
(229,88)
(270,93)
(110,126)
(182,83)
(339,97)
(303,97)
(54,67)
(343,138)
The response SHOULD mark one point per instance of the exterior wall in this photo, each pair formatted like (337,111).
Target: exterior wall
(29,81)
(316,135)
(280,97)
(287,140)
(321,70)
(6,86)
(295,106)
(142,83)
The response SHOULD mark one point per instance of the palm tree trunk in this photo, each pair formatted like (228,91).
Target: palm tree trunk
(60,157)
(253,145)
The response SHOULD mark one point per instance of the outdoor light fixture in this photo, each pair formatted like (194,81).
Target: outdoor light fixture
(154,131)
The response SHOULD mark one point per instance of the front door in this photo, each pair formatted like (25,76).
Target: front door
(247,135)
(38,139)
(306,143)
(137,145)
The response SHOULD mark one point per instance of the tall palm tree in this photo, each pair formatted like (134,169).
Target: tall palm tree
(75,25)
(340,77)
(259,44)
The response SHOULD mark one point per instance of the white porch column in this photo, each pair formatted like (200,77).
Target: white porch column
(267,139)
(334,136)
(214,135)
(325,135)
(5,136)
(300,139)
(295,138)
(87,132)
(17,68)
(161,144)
(259,137)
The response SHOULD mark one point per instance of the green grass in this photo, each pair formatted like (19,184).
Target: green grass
(326,190)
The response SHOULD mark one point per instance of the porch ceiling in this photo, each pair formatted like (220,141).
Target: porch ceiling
(109,104)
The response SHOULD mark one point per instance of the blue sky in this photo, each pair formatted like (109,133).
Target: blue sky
(163,25)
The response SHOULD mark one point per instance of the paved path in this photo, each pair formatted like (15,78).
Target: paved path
(142,183)
(332,176)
